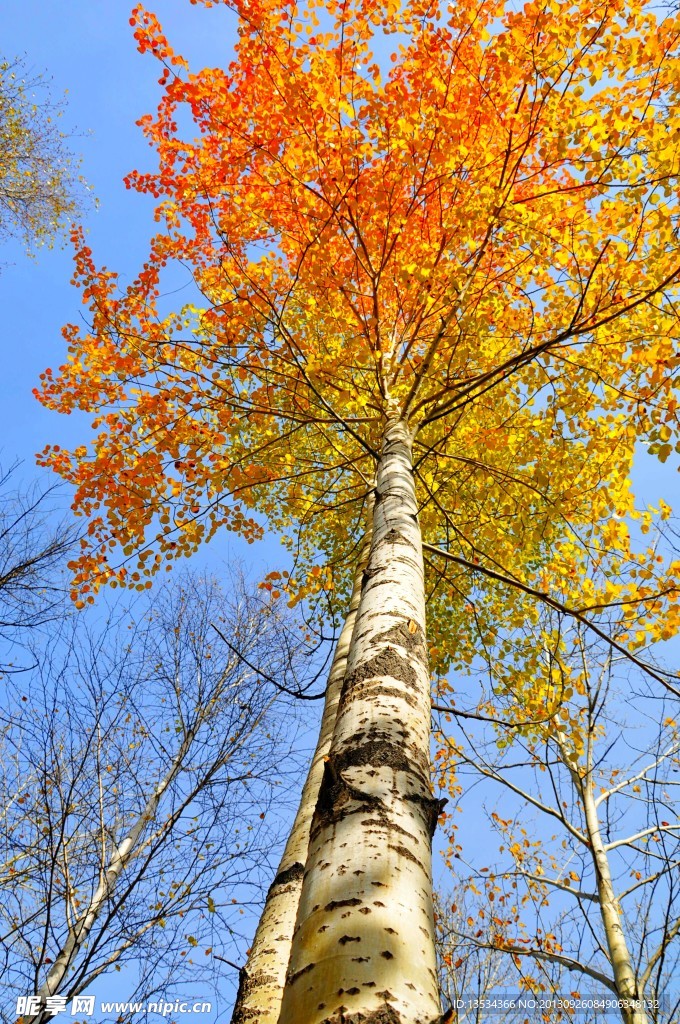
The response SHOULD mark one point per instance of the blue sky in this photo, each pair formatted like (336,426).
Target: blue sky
(87,49)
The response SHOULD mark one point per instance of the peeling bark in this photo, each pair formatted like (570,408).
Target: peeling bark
(363,948)
(263,977)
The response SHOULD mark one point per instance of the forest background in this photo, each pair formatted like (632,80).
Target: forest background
(89,52)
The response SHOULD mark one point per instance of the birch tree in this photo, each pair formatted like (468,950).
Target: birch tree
(589,831)
(140,770)
(263,978)
(449,282)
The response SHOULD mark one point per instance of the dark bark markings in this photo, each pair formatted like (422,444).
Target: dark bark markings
(285,877)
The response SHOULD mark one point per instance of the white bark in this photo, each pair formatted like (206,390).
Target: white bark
(263,978)
(363,949)
(610,911)
(110,873)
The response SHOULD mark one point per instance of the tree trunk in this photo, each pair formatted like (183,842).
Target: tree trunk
(262,979)
(363,948)
(619,955)
(109,875)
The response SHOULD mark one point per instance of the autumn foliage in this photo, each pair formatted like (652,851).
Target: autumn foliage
(465,215)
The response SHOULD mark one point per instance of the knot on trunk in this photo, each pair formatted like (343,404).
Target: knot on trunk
(432,808)
(408,634)
(334,795)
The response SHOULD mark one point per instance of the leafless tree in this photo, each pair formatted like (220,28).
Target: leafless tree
(144,771)
(34,544)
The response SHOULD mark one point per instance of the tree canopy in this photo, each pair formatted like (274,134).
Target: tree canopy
(482,235)
(40,190)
